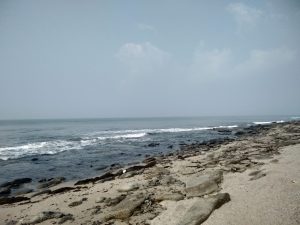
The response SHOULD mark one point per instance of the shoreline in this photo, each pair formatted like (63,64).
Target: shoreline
(139,194)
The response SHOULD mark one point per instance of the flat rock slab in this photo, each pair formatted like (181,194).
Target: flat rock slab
(198,186)
(126,207)
(191,211)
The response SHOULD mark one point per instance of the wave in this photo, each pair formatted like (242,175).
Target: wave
(268,122)
(37,148)
(57,146)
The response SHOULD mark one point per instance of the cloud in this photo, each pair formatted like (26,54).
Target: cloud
(142,57)
(146,27)
(211,63)
(267,60)
(245,16)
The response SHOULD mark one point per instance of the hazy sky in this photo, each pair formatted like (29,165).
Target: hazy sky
(68,58)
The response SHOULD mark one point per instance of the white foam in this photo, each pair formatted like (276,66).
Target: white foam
(51,147)
(268,122)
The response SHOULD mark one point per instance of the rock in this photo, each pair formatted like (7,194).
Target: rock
(153,144)
(105,176)
(76,203)
(23,191)
(34,159)
(148,160)
(46,191)
(62,190)
(140,166)
(128,187)
(126,207)
(191,211)
(51,182)
(257,175)
(16,183)
(168,196)
(5,191)
(100,199)
(47,215)
(114,201)
(198,186)
(10,200)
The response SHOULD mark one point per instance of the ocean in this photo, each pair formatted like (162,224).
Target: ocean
(79,148)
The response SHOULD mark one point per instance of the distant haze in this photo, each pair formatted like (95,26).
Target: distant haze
(76,59)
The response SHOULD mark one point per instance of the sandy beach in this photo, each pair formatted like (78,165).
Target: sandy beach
(252,180)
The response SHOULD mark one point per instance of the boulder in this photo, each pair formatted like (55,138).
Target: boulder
(198,186)
(126,207)
(191,211)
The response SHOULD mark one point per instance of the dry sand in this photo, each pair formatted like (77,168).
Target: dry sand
(271,200)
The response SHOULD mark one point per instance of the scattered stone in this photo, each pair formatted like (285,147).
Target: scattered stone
(191,211)
(128,187)
(10,200)
(126,207)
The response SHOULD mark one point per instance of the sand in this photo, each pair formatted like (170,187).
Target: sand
(271,200)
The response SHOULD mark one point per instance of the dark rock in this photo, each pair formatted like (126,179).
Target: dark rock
(148,160)
(62,190)
(170,146)
(34,159)
(23,191)
(10,200)
(16,183)
(141,166)
(46,191)
(153,144)
(5,191)
(107,175)
(52,182)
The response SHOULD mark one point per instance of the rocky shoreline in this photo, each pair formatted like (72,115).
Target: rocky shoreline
(183,187)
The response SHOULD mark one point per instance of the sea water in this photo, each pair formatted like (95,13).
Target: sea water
(77,148)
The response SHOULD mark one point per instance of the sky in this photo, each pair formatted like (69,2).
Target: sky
(87,59)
